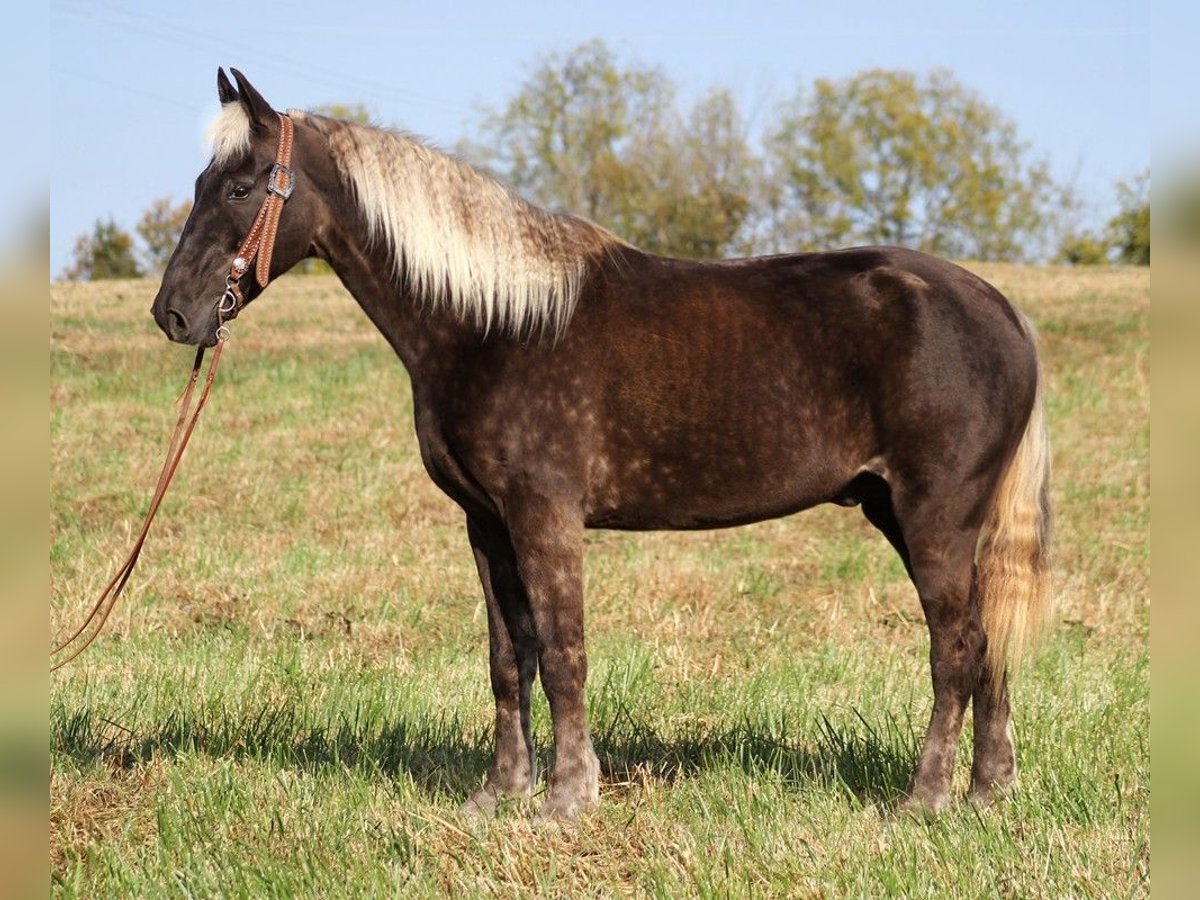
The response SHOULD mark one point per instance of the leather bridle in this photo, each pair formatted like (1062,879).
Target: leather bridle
(260,240)
(259,245)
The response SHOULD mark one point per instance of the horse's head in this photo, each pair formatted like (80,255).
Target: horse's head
(230,194)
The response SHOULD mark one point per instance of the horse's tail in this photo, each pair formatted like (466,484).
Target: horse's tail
(1012,560)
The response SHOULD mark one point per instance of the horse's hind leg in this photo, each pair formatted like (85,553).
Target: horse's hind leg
(995,761)
(513,662)
(940,536)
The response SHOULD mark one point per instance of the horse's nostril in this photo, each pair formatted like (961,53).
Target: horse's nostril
(177,326)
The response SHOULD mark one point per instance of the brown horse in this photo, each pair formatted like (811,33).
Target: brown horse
(563,379)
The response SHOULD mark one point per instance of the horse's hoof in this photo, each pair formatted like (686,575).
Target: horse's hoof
(557,811)
(988,795)
(546,824)
(922,809)
(556,816)
(480,806)
(982,798)
(569,798)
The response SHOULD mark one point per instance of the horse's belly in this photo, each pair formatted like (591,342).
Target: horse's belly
(698,490)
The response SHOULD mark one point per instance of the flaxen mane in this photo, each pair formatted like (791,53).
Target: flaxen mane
(456,236)
(459,237)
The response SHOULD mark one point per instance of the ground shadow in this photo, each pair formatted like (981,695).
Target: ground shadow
(446,759)
(440,755)
(870,763)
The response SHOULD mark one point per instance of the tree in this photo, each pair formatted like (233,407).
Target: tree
(892,158)
(159,229)
(108,252)
(350,112)
(1083,248)
(1129,229)
(1126,237)
(695,182)
(587,135)
(564,139)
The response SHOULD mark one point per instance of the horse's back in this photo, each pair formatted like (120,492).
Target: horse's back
(737,390)
(871,320)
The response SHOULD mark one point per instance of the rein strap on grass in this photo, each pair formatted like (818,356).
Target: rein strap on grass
(184,426)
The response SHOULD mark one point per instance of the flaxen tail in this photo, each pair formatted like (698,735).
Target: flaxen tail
(1012,562)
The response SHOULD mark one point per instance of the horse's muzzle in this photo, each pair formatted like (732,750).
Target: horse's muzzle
(184,327)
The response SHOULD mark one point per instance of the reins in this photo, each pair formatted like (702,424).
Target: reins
(184,426)
(259,243)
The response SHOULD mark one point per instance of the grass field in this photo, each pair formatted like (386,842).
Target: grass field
(293,699)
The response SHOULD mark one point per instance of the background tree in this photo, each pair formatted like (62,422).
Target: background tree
(889,157)
(159,228)
(564,140)
(1126,237)
(108,252)
(588,135)
(695,182)
(1129,229)
(1083,248)
(351,112)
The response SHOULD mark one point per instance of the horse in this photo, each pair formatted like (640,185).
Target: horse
(563,379)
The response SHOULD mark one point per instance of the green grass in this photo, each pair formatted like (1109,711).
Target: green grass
(293,698)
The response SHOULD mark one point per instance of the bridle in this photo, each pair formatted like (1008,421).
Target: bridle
(260,240)
(258,245)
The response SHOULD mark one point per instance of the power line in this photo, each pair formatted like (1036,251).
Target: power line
(120,86)
(162,29)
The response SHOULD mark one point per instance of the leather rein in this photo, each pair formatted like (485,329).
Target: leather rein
(257,247)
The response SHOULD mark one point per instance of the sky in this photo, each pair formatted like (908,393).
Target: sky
(133,84)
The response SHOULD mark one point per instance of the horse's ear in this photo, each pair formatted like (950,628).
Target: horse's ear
(225,90)
(258,109)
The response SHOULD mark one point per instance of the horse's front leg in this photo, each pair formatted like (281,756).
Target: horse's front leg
(548,539)
(512,648)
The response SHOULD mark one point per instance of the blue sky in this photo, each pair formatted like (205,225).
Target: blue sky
(133,83)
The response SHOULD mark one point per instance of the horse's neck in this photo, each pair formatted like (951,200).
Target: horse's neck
(427,337)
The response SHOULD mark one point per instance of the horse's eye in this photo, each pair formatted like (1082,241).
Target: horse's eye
(239,192)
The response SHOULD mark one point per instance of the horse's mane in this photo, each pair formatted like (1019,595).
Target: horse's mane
(457,236)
